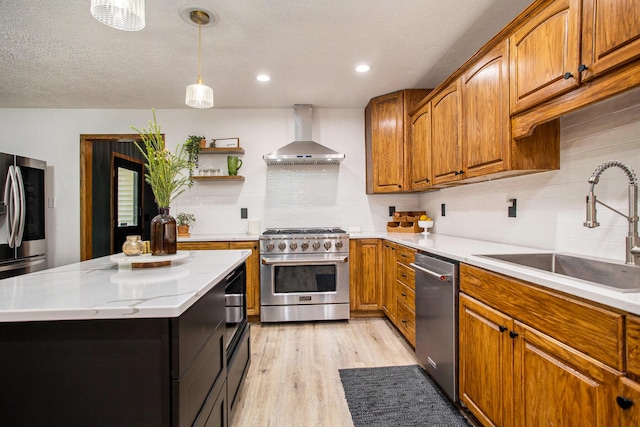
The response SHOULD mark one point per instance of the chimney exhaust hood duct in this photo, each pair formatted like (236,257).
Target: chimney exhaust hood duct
(303,151)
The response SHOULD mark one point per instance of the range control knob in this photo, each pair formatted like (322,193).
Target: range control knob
(316,245)
(270,246)
(339,244)
(293,246)
(305,246)
(327,245)
(282,246)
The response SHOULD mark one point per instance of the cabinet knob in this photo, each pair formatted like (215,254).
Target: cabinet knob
(458,173)
(582,67)
(513,334)
(404,321)
(623,402)
(502,328)
(404,295)
(567,75)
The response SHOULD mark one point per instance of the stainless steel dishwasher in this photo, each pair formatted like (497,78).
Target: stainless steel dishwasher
(437,319)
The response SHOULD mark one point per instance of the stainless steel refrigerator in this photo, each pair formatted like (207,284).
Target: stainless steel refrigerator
(23,245)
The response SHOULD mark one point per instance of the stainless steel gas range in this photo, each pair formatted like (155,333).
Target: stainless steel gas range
(304,274)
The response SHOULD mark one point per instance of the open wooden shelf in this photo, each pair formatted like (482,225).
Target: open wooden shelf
(219,178)
(233,150)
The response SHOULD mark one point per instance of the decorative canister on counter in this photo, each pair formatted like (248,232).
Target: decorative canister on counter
(133,246)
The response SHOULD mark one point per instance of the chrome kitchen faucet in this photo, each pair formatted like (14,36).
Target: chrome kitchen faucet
(633,240)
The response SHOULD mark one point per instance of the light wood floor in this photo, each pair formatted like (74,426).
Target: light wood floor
(293,379)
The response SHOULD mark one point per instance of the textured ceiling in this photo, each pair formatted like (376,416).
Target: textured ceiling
(54,54)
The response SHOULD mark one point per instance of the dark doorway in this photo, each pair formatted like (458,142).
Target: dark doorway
(97,218)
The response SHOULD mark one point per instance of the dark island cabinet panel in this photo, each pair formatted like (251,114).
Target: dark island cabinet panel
(85,373)
(124,372)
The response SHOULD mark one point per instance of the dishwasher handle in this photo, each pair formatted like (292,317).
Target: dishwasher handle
(439,276)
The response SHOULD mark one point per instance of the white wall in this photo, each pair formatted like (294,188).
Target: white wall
(279,196)
(551,205)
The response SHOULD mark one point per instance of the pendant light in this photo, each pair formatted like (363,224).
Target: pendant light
(127,15)
(199,95)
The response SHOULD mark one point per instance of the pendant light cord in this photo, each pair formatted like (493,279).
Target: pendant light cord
(199,51)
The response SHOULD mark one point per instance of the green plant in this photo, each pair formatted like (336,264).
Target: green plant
(164,168)
(185,218)
(192,146)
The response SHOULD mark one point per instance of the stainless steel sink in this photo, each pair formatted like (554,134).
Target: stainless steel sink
(621,277)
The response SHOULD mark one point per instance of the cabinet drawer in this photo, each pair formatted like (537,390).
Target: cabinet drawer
(405,255)
(406,295)
(407,322)
(596,331)
(190,331)
(406,275)
(633,346)
(208,371)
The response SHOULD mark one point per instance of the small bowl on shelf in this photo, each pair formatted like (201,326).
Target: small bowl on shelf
(426,225)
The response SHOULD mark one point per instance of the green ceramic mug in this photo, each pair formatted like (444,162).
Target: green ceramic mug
(233,163)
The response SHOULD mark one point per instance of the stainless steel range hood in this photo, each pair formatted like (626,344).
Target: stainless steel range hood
(303,151)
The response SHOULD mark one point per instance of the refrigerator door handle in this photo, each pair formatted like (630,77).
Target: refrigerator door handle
(10,195)
(22,206)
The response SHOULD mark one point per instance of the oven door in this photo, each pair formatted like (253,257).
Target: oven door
(304,279)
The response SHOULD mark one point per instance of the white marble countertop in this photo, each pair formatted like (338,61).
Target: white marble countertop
(98,289)
(239,237)
(467,251)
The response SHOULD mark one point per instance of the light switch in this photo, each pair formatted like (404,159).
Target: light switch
(51,202)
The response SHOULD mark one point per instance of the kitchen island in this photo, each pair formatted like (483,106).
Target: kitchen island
(94,344)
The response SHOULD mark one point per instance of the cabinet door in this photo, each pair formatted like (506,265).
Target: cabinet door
(555,385)
(485,114)
(386,145)
(446,161)
(365,270)
(389,279)
(419,152)
(369,291)
(486,362)
(253,276)
(629,393)
(610,34)
(545,55)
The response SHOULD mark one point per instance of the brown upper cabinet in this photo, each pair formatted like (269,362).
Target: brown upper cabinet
(446,153)
(569,54)
(387,131)
(545,55)
(420,149)
(551,55)
(610,34)
(485,114)
(470,128)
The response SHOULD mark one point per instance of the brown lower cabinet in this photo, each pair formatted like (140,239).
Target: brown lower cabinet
(530,357)
(252,263)
(365,287)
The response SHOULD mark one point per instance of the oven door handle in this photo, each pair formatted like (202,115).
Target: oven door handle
(322,261)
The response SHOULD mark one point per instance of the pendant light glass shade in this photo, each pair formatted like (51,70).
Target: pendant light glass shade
(199,96)
(127,15)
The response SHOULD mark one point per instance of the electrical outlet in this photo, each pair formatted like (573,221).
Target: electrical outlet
(392,210)
(243,213)
(443,210)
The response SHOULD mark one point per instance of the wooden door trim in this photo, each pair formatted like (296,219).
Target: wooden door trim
(86,186)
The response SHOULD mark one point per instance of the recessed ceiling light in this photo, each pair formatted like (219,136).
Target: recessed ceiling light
(263,78)
(363,68)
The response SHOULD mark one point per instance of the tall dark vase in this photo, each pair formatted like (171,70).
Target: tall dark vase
(164,233)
